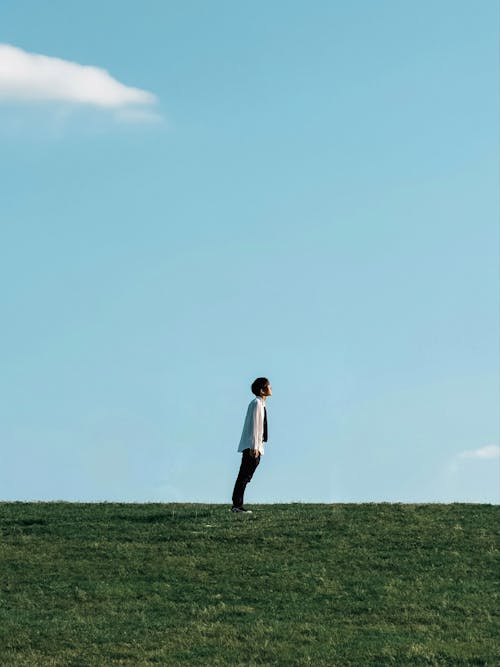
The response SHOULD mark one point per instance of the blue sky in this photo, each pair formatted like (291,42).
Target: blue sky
(306,191)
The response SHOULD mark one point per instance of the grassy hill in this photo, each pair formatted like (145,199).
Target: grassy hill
(294,584)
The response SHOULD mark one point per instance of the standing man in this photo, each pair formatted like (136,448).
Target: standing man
(252,440)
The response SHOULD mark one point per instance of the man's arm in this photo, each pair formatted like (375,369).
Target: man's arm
(258,429)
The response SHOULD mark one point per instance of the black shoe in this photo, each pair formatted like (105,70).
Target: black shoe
(240,510)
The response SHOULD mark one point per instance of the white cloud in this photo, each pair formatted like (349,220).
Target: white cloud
(29,77)
(139,116)
(487,452)
(471,476)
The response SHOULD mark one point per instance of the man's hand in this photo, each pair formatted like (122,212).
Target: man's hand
(254,452)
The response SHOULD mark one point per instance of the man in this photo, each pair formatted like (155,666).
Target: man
(252,441)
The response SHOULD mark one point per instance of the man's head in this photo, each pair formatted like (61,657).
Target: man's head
(261,387)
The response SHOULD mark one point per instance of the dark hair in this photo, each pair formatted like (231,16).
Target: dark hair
(258,384)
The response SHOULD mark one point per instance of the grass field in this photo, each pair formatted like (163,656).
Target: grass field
(294,584)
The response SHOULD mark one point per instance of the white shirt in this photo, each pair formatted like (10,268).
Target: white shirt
(253,428)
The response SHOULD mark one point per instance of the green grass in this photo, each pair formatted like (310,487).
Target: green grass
(294,584)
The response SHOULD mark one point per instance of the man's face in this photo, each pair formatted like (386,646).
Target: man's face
(267,391)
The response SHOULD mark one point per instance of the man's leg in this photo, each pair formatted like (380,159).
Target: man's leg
(248,466)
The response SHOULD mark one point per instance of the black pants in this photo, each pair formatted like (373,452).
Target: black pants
(248,466)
